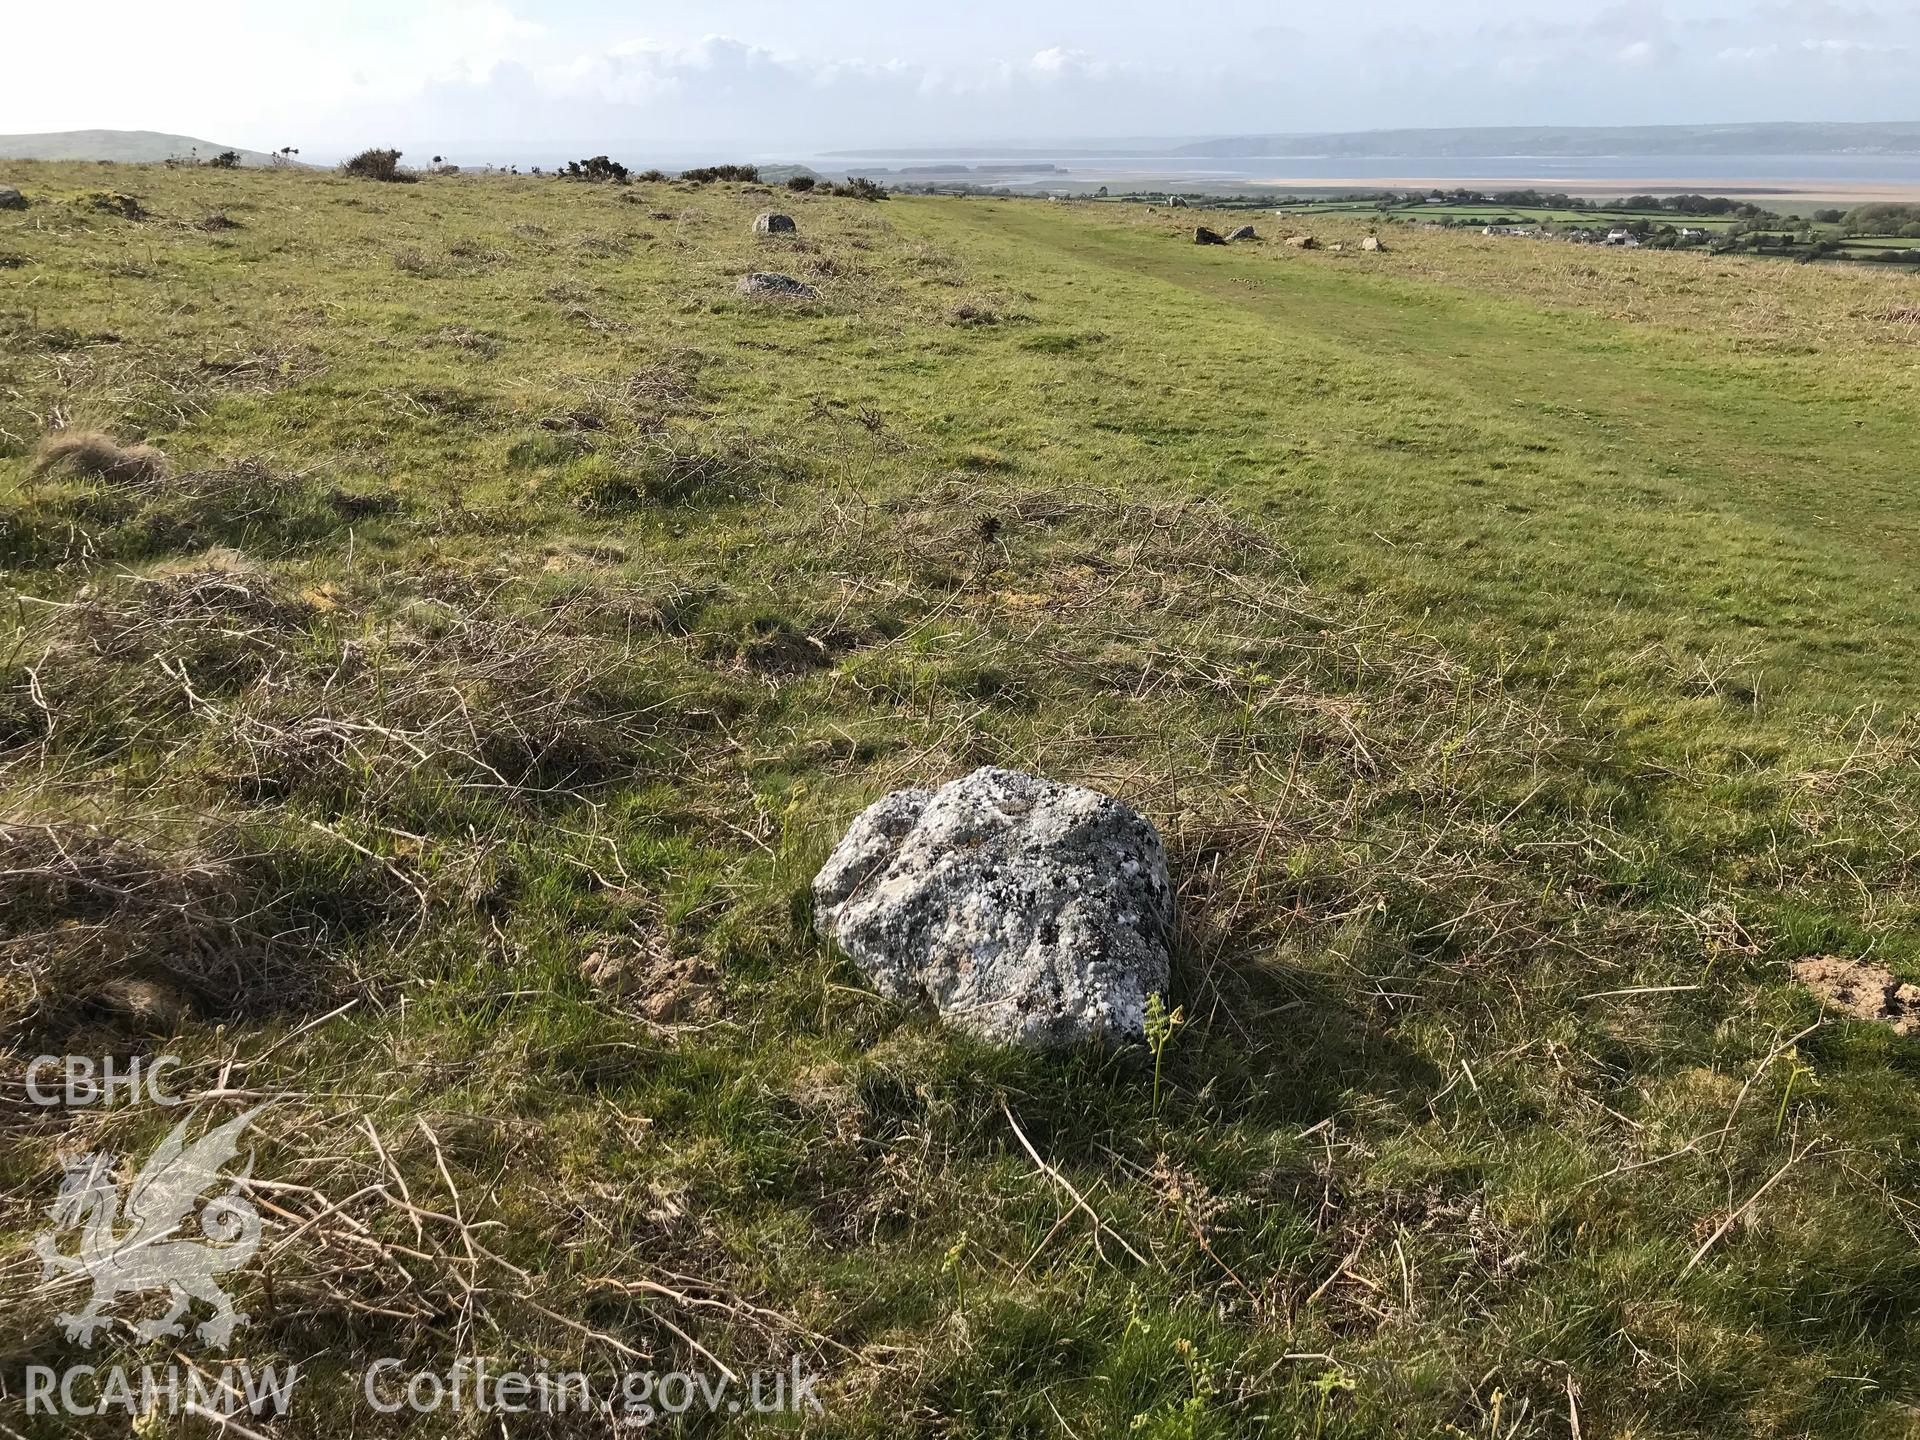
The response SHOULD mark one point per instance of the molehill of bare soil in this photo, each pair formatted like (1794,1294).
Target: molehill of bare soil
(1862,990)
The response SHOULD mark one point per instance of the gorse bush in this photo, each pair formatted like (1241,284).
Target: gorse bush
(599,169)
(374,164)
(801,183)
(749,174)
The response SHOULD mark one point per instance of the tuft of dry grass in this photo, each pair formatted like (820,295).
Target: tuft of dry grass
(107,924)
(89,452)
(970,312)
(128,207)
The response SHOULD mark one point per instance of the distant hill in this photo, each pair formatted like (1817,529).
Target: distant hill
(129,146)
(1896,138)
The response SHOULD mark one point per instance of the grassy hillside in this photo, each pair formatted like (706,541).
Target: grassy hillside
(1512,643)
(132,147)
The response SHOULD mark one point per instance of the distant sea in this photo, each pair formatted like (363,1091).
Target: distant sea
(1812,174)
(1836,176)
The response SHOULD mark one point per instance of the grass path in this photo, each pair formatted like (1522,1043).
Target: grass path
(1539,472)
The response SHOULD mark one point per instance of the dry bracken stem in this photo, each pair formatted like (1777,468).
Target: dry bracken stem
(1752,1200)
(1100,1226)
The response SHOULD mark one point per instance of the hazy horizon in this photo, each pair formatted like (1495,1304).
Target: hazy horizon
(486,75)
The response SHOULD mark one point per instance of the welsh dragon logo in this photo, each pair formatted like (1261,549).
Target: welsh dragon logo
(143,1250)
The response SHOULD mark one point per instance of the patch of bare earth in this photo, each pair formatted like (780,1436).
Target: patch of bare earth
(647,977)
(1862,990)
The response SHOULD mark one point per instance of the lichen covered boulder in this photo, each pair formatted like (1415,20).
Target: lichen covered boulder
(1028,912)
(767,285)
(773,223)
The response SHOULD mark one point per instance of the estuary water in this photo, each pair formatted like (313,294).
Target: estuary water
(1865,175)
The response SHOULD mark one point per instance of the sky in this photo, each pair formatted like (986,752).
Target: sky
(481,79)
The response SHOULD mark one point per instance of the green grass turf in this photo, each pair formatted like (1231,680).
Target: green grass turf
(1511,642)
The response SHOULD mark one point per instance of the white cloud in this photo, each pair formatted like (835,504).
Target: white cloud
(1059,60)
(1843,48)
(448,73)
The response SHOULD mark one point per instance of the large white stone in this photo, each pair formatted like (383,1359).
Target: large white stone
(1027,912)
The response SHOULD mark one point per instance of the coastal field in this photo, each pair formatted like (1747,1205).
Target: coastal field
(434,731)
(1488,213)
(1772,194)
